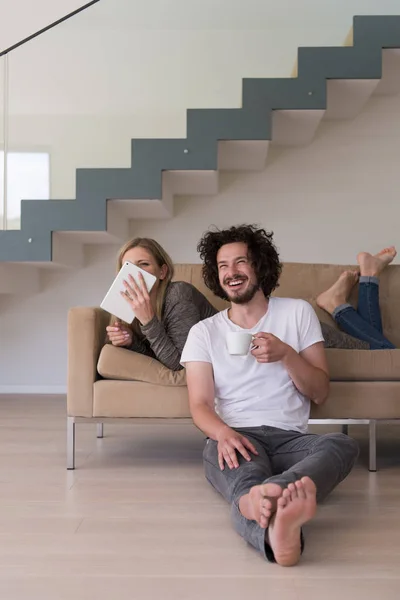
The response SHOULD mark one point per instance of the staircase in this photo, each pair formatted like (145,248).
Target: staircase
(327,83)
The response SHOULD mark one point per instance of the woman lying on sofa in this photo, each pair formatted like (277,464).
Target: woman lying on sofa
(163,317)
(365,323)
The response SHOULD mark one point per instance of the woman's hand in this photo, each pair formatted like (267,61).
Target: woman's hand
(120,335)
(138,297)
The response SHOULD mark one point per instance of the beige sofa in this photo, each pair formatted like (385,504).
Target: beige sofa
(365,386)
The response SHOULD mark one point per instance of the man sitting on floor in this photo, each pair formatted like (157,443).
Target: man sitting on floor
(254,408)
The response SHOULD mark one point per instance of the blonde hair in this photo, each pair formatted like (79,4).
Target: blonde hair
(162,258)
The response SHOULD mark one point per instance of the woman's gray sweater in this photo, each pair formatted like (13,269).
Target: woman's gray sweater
(184,306)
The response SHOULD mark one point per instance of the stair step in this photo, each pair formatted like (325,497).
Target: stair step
(67,251)
(295,127)
(197,183)
(243,155)
(390,81)
(116,232)
(347,97)
(174,183)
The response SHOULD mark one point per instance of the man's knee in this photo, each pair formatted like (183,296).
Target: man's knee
(210,452)
(233,483)
(210,461)
(341,445)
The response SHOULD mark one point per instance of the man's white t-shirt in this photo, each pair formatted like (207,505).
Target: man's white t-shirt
(248,393)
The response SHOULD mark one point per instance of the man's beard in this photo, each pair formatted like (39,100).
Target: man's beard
(246,297)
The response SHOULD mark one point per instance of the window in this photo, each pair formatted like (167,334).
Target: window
(28,178)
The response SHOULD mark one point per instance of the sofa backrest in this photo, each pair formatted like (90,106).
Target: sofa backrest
(306,281)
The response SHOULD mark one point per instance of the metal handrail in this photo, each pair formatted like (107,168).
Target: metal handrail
(34,35)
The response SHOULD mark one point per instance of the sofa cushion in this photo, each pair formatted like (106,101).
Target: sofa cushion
(120,363)
(360,400)
(364,365)
(347,400)
(138,399)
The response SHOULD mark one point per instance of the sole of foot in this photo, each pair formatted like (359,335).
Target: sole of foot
(296,506)
(372,265)
(260,503)
(339,292)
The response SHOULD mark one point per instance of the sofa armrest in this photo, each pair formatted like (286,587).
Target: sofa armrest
(86,337)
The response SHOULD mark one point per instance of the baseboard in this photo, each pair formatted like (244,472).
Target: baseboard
(33,389)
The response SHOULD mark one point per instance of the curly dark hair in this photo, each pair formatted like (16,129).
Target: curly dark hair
(262,252)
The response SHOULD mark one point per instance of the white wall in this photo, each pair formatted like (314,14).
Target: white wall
(324,202)
(22,18)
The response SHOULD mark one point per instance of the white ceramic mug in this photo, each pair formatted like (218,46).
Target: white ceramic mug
(238,342)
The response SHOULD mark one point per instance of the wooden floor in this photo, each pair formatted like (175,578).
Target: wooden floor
(137,520)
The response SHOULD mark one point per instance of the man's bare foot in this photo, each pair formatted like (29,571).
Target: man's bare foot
(373,265)
(296,506)
(339,292)
(260,503)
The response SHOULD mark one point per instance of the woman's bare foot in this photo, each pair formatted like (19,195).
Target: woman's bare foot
(296,506)
(373,265)
(260,503)
(339,292)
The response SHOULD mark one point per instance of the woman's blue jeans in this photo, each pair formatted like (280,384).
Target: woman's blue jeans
(365,323)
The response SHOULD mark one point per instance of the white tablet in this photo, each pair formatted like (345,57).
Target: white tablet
(114,303)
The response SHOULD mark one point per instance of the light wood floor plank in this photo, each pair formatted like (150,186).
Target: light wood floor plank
(137,520)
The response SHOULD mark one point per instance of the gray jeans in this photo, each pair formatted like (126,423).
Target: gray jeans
(283,457)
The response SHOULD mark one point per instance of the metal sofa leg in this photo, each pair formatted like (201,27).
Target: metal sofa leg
(372,445)
(345,429)
(100,430)
(70,443)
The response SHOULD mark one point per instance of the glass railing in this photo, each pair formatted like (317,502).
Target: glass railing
(67,108)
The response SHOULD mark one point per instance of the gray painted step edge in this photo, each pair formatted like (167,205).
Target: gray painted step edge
(199,151)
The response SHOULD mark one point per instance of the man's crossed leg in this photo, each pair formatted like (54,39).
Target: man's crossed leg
(276,493)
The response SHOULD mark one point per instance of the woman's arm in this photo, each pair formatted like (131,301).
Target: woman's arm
(184,307)
(140,346)
(167,338)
